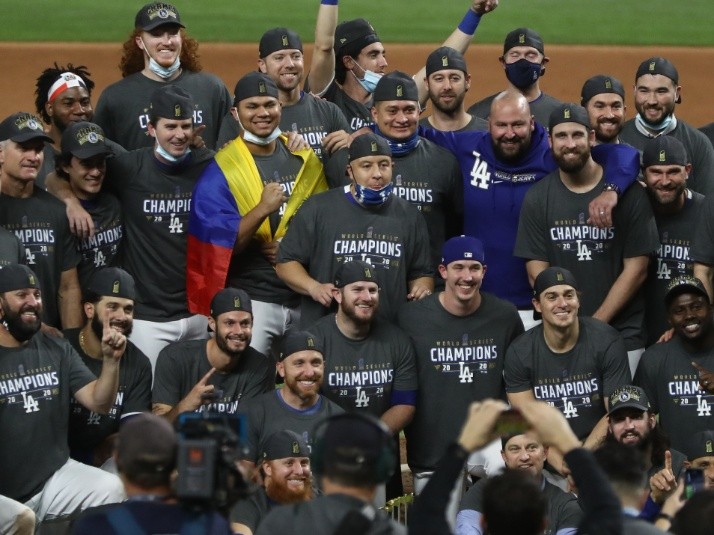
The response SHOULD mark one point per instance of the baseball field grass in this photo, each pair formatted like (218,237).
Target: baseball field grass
(607,22)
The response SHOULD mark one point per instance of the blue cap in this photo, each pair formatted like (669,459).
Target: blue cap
(462,248)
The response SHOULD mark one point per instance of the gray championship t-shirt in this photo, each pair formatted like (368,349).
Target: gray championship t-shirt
(182,364)
(553,227)
(577,382)
(36,383)
(459,360)
(702,250)
(11,249)
(102,249)
(332,227)
(371,374)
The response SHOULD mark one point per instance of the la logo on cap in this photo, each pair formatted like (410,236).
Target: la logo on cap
(444,61)
(236,302)
(177,110)
(400,90)
(521,38)
(285,40)
(115,287)
(296,447)
(662,156)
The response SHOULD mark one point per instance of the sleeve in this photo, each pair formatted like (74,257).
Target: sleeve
(229,130)
(420,253)
(645,375)
(449,140)
(222,102)
(531,239)
(620,162)
(103,115)
(405,374)
(569,516)
(642,238)
(167,379)
(139,396)
(338,119)
(601,506)
(616,369)
(297,244)
(468,522)
(429,512)
(702,249)
(516,373)
(335,165)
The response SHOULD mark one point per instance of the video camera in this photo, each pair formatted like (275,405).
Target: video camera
(209,448)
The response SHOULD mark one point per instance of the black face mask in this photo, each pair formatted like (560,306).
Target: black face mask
(523,73)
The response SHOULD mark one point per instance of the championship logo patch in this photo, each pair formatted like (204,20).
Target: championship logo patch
(27,121)
(116,287)
(566,113)
(624,396)
(400,91)
(444,61)
(608,84)
(236,302)
(296,448)
(88,135)
(31,278)
(367,273)
(522,39)
(652,66)
(310,342)
(559,277)
(177,110)
(708,447)
(662,156)
(373,146)
(285,40)
(261,88)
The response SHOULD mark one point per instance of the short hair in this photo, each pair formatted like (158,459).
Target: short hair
(696,517)
(132,59)
(624,466)
(49,76)
(61,160)
(513,503)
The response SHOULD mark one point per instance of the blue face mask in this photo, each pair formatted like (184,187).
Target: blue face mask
(369,81)
(523,73)
(659,127)
(373,197)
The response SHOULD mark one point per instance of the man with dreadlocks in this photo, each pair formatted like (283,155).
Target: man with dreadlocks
(159,52)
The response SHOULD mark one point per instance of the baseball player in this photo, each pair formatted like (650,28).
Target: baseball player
(159,52)
(603,97)
(321,123)
(657,93)
(524,62)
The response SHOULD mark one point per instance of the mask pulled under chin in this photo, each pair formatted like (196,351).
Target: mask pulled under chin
(170,157)
(373,197)
(370,80)
(523,73)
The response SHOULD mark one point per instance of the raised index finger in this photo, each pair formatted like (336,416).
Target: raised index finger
(206,377)
(668,460)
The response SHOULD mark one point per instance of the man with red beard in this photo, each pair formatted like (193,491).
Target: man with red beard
(297,405)
(553,230)
(108,297)
(286,479)
(217,374)
(523,452)
(39,374)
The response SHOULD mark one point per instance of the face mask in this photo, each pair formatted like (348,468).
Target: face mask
(257,140)
(373,197)
(162,72)
(523,73)
(660,127)
(170,157)
(369,81)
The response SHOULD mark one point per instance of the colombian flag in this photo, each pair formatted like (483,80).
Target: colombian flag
(230,187)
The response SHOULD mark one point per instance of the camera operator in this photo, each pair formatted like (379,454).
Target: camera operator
(146,458)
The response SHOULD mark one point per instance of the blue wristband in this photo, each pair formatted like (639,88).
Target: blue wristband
(470,22)
(328,2)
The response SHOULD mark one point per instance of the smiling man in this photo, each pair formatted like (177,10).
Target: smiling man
(297,405)
(159,52)
(667,374)
(603,97)
(214,375)
(573,363)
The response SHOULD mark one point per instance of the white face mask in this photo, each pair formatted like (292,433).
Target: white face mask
(162,72)
(166,155)
(257,140)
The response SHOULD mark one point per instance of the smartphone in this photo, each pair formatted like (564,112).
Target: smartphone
(693,481)
(511,422)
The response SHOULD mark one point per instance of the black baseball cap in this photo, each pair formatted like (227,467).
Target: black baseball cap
(172,102)
(659,65)
(21,126)
(255,84)
(295,341)
(230,299)
(352,36)
(112,281)
(278,39)
(157,14)
(283,444)
(682,285)
(523,37)
(354,271)
(664,150)
(700,444)
(369,144)
(443,58)
(628,397)
(553,276)
(146,444)
(17,277)
(396,85)
(84,140)
(600,84)
(568,113)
